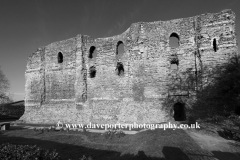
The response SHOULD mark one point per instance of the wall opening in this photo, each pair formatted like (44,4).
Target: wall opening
(174,40)
(120,49)
(92,71)
(120,69)
(174,64)
(92,52)
(60,57)
(179,112)
(215,45)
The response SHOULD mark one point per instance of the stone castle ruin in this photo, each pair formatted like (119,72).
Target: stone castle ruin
(84,79)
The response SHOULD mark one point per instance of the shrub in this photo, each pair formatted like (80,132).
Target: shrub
(86,158)
(237,110)
(218,91)
(26,152)
(216,119)
(114,133)
(234,117)
(120,133)
(191,120)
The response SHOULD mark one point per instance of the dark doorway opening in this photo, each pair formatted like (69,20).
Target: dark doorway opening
(179,112)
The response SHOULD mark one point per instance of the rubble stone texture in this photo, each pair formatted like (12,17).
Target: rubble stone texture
(66,82)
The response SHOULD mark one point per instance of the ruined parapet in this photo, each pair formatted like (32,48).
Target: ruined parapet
(83,79)
(34,83)
(217,37)
(34,75)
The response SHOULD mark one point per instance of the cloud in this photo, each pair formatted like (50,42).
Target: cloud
(116,26)
(120,24)
(134,13)
(109,33)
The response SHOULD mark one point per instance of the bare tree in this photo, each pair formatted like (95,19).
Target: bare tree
(4,87)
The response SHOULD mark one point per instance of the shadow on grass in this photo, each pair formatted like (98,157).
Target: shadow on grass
(171,152)
(8,118)
(229,135)
(226,155)
(69,151)
(156,141)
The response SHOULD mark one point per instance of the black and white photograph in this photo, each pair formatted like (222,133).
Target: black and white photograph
(119,80)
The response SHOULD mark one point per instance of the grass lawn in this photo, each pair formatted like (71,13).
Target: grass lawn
(157,144)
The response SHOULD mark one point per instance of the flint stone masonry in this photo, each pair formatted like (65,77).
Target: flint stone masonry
(147,89)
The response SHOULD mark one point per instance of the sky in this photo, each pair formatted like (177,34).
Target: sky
(26,25)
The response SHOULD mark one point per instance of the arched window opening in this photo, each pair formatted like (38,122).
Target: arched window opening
(174,40)
(174,64)
(215,45)
(120,49)
(60,57)
(120,69)
(179,112)
(92,71)
(92,52)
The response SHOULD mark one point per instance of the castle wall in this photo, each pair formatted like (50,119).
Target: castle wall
(148,89)
(35,79)
(220,26)
(60,77)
